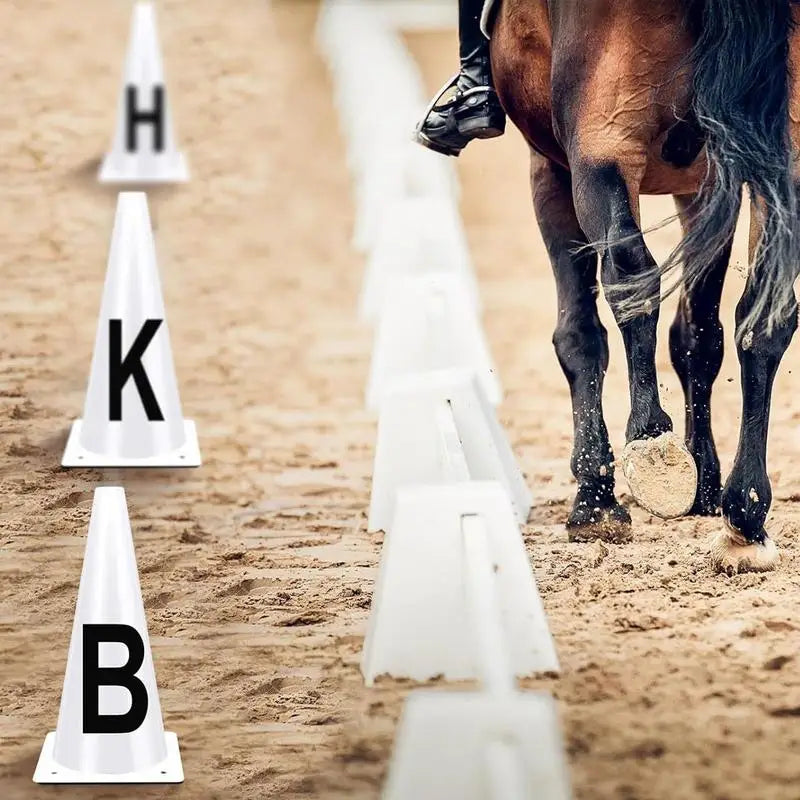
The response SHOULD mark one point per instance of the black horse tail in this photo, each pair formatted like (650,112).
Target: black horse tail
(741,90)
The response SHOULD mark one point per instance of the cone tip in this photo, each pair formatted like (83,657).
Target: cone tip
(144,8)
(132,205)
(109,521)
(130,198)
(110,490)
(144,20)
(109,494)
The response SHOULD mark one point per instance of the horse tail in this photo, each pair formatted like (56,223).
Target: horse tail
(741,90)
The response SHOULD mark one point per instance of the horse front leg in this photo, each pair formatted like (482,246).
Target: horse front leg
(661,473)
(581,345)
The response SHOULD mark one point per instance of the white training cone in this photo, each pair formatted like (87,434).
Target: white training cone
(144,149)
(132,416)
(109,727)
(410,446)
(415,236)
(422,624)
(477,746)
(428,324)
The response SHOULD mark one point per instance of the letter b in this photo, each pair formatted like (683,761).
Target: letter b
(95,676)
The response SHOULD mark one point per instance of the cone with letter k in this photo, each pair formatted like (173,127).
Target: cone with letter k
(132,415)
(109,727)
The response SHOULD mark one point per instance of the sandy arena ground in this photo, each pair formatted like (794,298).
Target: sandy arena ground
(256,569)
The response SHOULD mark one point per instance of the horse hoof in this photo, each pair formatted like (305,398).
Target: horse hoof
(661,475)
(731,553)
(605,524)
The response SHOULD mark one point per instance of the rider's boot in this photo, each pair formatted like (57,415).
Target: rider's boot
(467,106)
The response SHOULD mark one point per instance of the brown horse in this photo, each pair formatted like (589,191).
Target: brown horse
(619,98)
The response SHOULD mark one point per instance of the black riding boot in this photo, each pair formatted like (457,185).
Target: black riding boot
(467,106)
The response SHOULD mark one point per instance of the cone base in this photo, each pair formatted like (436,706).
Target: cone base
(170,770)
(166,168)
(75,455)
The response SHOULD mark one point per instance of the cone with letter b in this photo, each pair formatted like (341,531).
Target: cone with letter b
(109,727)
(132,416)
(144,149)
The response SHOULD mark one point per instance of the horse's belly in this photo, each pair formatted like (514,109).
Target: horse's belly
(522,73)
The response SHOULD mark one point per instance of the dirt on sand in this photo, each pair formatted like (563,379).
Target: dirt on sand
(256,569)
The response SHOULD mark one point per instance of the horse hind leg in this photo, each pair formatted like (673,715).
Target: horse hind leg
(581,345)
(747,496)
(696,348)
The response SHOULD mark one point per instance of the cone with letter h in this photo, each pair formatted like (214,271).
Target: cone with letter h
(109,727)
(144,149)
(132,415)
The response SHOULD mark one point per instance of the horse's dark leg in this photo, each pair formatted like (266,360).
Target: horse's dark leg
(608,210)
(607,216)
(747,495)
(696,347)
(582,348)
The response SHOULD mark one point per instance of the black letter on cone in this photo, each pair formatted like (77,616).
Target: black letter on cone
(134,116)
(95,676)
(120,369)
